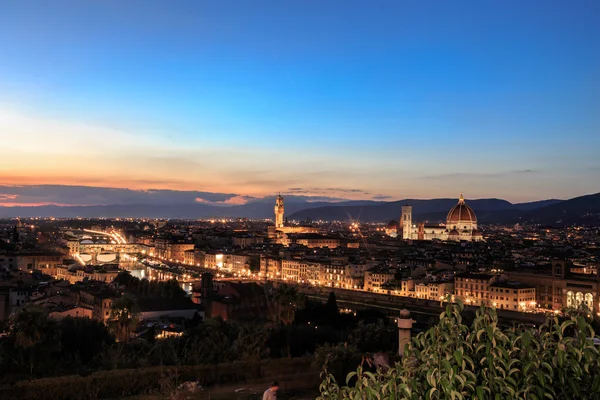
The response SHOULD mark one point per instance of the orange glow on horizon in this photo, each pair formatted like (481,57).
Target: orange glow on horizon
(2,204)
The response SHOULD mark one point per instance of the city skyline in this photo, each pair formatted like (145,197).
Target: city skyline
(321,100)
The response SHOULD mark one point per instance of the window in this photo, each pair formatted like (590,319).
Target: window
(558,269)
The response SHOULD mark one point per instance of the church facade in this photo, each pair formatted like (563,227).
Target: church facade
(461,225)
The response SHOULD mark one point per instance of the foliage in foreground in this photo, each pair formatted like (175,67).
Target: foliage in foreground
(557,360)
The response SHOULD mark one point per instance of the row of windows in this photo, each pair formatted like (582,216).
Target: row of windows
(501,298)
(472,294)
(505,290)
(472,286)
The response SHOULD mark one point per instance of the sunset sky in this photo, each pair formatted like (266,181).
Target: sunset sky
(342,99)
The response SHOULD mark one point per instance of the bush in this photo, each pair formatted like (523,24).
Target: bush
(130,382)
(338,359)
(557,360)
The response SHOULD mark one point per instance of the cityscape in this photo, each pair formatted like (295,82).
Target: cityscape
(288,200)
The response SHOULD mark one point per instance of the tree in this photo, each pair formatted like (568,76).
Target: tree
(254,264)
(210,342)
(287,301)
(375,337)
(82,339)
(482,361)
(338,359)
(124,317)
(332,307)
(15,237)
(250,342)
(35,337)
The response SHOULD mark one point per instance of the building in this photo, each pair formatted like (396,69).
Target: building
(171,250)
(392,229)
(290,269)
(558,287)
(280,227)
(161,308)
(333,275)
(279,212)
(235,301)
(473,289)
(176,251)
(375,278)
(33,261)
(270,267)
(313,240)
(189,257)
(244,241)
(99,299)
(105,273)
(311,272)
(8,262)
(433,290)
(461,225)
(407,287)
(70,311)
(513,296)
(238,263)
(73,246)
(213,260)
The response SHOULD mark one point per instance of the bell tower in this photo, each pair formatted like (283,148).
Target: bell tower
(279,212)
(406,222)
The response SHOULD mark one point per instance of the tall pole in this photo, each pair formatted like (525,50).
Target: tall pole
(405,324)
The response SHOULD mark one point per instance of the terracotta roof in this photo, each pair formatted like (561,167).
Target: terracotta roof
(461,212)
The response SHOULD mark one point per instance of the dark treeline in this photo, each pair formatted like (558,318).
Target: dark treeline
(37,346)
(143,288)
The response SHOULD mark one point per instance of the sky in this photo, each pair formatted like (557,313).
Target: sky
(342,99)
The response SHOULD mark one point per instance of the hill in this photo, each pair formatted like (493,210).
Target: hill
(423,210)
(579,210)
(584,210)
(262,208)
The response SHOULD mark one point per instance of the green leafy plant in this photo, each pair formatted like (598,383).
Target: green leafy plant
(451,360)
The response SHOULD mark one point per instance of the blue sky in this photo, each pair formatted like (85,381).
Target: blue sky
(400,99)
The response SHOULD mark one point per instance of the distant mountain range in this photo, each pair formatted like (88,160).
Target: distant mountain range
(433,210)
(579,210)
(256,209)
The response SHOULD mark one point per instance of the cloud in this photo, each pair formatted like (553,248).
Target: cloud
(92,195)
(482,174)
(232,201)
(6,197)
(344,190)
(66,195)
(329,190)
(381,197)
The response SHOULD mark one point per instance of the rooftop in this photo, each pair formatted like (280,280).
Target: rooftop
(512,285)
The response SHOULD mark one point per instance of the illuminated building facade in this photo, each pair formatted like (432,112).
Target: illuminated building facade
(276,232)
(461,225)
(512,296)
